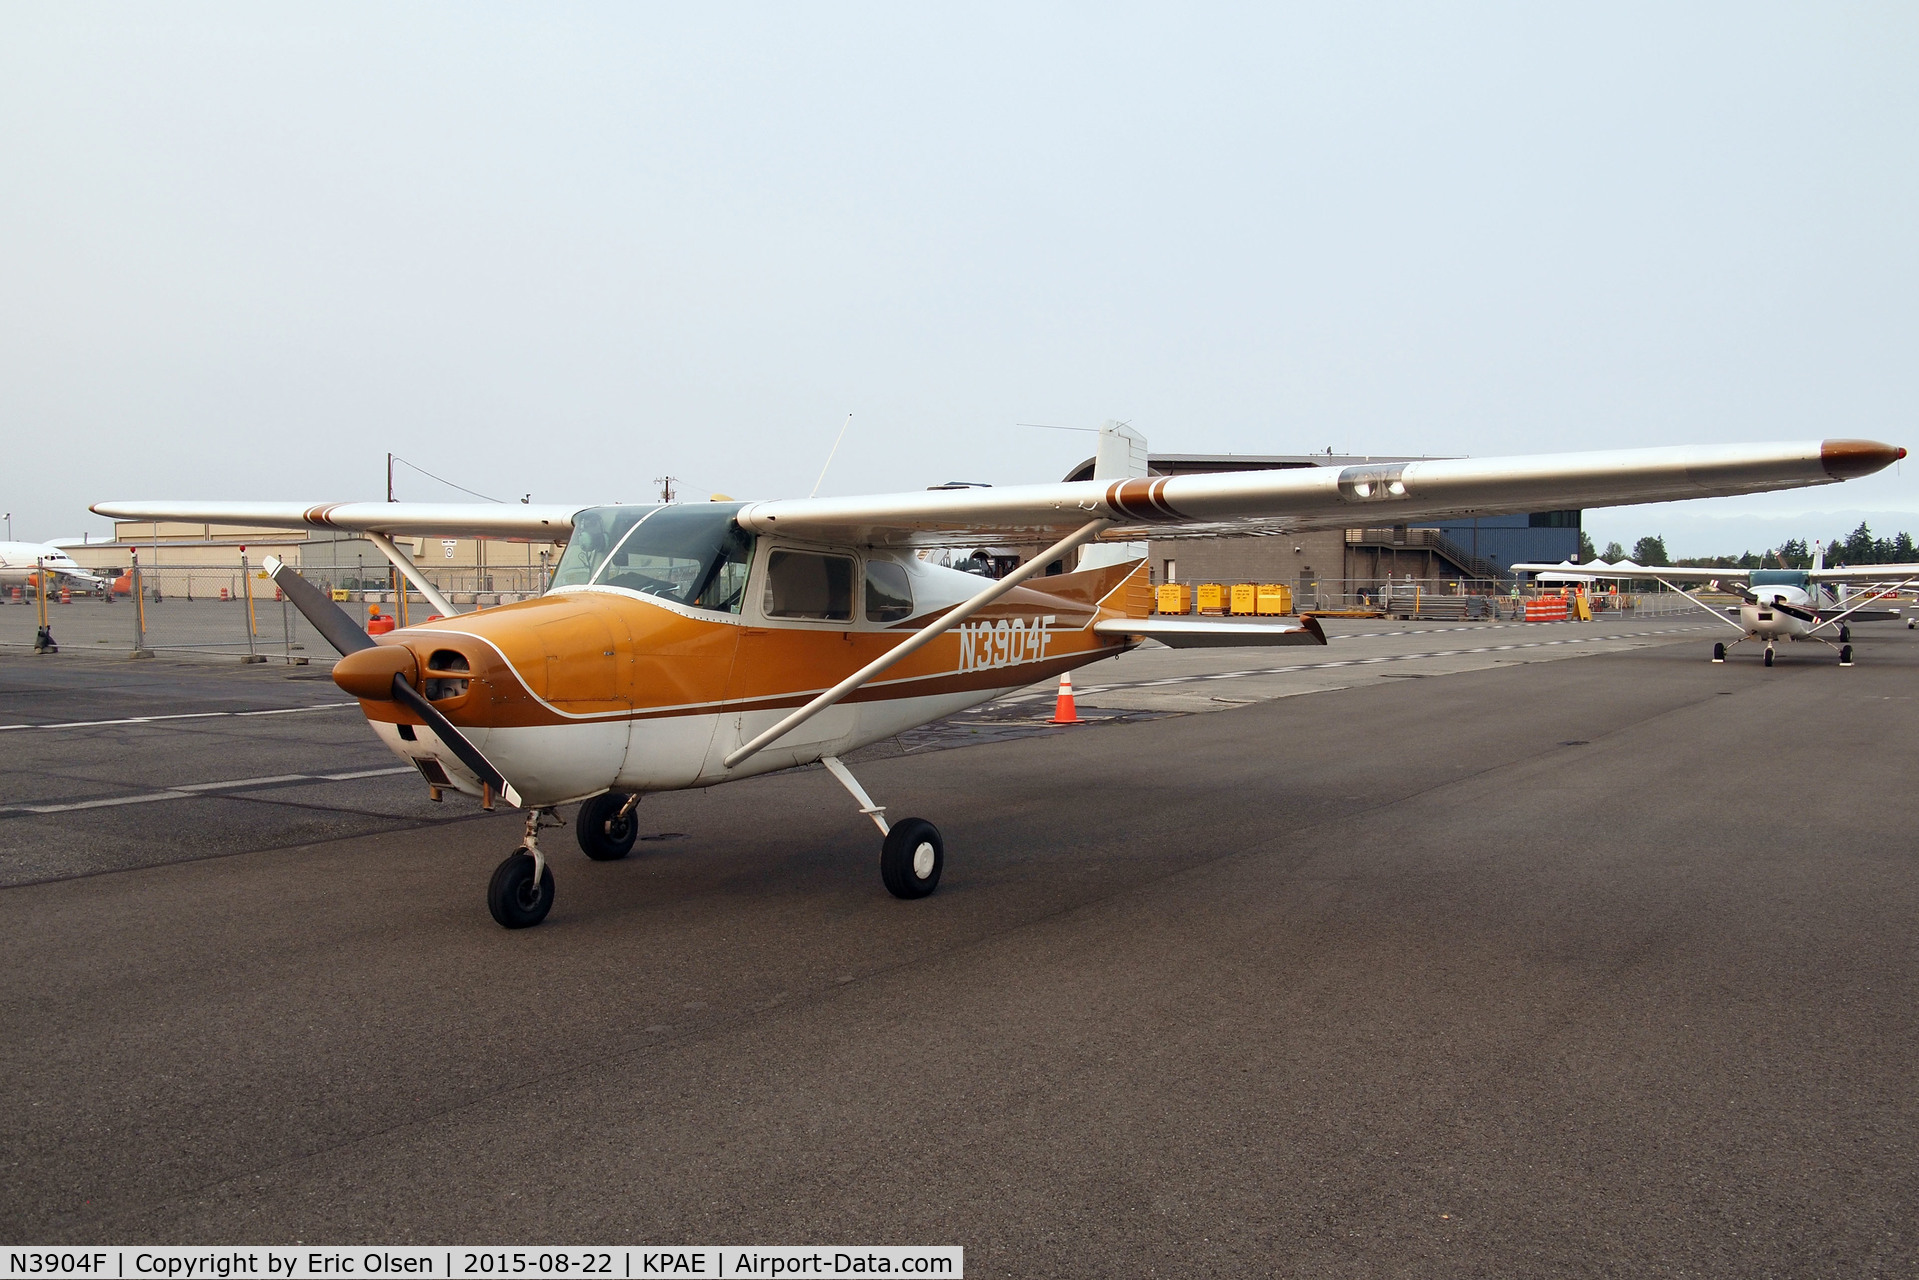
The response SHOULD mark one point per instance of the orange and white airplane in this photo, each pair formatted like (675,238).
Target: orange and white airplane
(692,644)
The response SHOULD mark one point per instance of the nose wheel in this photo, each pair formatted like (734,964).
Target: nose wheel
(521,891)
(1769,655)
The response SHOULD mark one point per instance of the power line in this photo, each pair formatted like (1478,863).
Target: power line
(448,483)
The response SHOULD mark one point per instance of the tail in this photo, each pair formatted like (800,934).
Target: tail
(1121,456)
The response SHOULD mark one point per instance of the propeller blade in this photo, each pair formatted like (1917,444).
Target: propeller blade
(328,618)
(1793,611)
(470,756)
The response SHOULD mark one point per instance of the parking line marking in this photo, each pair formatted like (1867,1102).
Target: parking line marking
(183,715)
(189,790)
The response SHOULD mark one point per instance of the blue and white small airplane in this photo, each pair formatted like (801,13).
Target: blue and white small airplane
(1775,604)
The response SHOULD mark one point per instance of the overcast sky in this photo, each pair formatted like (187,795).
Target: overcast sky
(246,250)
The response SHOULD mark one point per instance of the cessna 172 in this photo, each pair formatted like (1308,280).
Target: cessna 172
(19,561)
(695,644)
(1775,604)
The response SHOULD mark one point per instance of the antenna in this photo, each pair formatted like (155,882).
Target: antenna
(829,455)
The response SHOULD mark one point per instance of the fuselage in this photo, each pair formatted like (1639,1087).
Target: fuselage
(1765,620)
(669,641)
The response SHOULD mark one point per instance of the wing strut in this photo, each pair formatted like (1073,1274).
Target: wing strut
(1085,533)
(1701,603)
(404,563)
(1870,597)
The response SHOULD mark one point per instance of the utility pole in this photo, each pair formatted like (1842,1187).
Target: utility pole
(666,487)
(389,477)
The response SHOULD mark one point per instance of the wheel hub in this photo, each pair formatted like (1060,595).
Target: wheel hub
(923,860)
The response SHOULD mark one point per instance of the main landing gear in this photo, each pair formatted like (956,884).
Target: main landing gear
(912,855)
(606,827)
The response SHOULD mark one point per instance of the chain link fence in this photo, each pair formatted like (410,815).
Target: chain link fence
(222,611)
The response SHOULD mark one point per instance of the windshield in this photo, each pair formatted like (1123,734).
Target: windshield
(595,532)
(693,554)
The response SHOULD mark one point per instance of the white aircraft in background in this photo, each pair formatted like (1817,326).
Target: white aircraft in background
(694,644)
(1775,604)
(19,561)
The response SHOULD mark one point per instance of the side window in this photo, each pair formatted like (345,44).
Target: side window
(806,584)
(889,596)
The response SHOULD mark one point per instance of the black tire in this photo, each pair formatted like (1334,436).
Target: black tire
(1769,657)
(1719,653)
(603,834)
(1845,634)
(1845,655)
(515,901)
(907,870)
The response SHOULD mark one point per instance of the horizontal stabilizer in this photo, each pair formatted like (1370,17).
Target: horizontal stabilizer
(1184,631)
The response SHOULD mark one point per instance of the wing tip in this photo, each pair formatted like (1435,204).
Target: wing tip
(1849,459)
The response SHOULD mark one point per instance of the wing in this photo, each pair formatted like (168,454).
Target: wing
(1887,573)
(1245,502)
(1231,503)
(1627,569)
(513,521)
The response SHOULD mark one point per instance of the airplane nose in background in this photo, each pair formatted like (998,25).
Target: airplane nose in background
(1847,459)
(369,673)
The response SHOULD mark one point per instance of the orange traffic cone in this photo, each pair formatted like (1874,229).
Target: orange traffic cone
(1063,712)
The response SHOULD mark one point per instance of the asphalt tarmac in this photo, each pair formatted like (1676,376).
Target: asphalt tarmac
(1590,967)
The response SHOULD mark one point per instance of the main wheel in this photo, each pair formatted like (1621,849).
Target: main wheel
(603,834)
(1769,656)
(1845,634)
(1845,655)
(1719,653)
(911,858)
(513,897)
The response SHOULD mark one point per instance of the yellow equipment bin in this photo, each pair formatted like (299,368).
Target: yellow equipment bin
(1245,595)
(1212,598)
(1173,597)
(1275,598)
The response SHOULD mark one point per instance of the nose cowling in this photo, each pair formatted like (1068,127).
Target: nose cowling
(369,673)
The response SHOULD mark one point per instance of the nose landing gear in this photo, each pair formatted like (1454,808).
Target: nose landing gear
(1769,655)
(521,891)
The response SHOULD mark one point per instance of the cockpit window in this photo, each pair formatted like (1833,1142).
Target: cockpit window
(595,532)
(889,594)
(693,554)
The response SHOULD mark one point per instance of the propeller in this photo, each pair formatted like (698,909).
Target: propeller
(1793,611)
(328,618)
(381,672)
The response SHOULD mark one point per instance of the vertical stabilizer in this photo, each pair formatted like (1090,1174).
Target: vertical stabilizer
(1121,456)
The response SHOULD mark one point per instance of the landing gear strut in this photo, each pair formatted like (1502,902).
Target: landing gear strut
(912,855)
(521,892)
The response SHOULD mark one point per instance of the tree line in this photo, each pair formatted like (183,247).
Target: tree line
(1857,547)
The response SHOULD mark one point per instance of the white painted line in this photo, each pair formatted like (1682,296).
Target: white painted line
(184,715)
(189,790)
(243,782)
